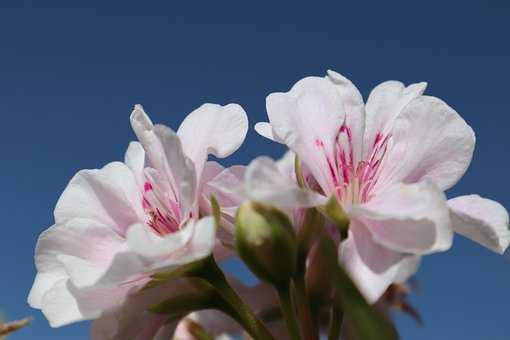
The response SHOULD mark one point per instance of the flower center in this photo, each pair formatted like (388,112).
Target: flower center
(162,211)
(354,182)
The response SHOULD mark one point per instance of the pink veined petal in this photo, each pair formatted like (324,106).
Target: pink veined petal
(481,220)
(109,196)
(383,106)
(429,141)
(307,119)
(372,266)
(213,129)
(408,218)
(165,153)
(265,183)
(354,108)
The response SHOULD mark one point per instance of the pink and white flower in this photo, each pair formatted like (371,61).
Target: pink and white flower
(116,226)
(388,162)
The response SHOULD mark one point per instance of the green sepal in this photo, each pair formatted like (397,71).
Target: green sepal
(334,211)
(187,270)
(203,297)
(216,211)
(299,172)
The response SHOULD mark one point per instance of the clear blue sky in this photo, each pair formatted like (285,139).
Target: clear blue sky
(70,72)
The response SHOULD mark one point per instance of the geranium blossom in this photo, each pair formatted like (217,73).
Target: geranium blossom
(116,226)
(387,162)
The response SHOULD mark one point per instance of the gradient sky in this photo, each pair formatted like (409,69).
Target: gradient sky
(69,76)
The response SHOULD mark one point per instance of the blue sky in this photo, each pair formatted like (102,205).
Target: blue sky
(71,71)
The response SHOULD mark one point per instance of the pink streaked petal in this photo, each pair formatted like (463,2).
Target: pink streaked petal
(384,105)
(307,119)
(165,153)
(429,141)
(354,111)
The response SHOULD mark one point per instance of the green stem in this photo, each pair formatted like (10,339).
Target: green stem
(243,314)
(308,322)
(288,311)
(335,322)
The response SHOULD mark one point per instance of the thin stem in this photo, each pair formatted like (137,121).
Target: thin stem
(243,313)
(308,322)
(288,311)
(335,322)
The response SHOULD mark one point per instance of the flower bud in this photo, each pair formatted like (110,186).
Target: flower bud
(266,242)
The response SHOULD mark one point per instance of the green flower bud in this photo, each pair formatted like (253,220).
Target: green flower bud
(266,242)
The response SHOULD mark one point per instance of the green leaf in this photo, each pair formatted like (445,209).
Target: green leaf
(185,270)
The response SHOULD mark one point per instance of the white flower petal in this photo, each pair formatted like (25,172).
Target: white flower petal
(408,267)
(481,220)
(384,104)
(60,307)
(165,153)
(81,247)
(307,119)
(145,242)
(430,141)
(213,129)
(354,110)
(408,218)
(43,282)
(266,130)
(194,241)
(226,186)
(109,196)
(135,160)
(265,183)
(371,266)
